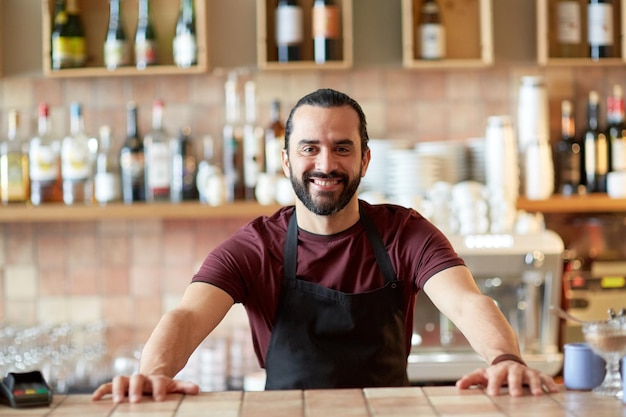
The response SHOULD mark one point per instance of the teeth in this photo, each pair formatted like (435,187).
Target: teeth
(326,183)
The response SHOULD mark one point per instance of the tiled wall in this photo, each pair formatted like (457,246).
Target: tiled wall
(129,272)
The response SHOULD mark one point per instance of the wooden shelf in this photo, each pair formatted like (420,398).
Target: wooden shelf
(592,203)
(266,44)
(469,35)
(95,16)
(119,211)
(547,47)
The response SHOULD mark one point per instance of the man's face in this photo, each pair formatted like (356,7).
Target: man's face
(325,163)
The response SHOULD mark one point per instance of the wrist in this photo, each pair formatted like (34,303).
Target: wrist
(508,357)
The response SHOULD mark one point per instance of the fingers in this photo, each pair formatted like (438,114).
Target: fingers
(101,391)
(515,376)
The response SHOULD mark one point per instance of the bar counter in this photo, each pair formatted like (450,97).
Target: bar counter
(369,402)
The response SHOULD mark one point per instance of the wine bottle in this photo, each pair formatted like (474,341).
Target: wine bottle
(431,32)
(596,148)
(253,142)
(326,31)
(44,162)
(116,47)
(77,155)
(600,28)
(75,32)
(14,182)
(568,153)
(61,52)
(568,28)
(157,157)
(232,135)
(185,43)
(107,173)
(274,140)
(145,37)
(616,129)
(184,167)
(289,30)
(132,160)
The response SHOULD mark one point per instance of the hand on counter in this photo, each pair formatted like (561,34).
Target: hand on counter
(512,374)
(136,386)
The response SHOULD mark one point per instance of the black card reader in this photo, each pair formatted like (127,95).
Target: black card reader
(25,389)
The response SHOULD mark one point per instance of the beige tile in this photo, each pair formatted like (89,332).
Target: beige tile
(20,311)
(47,90)
(52,281)
(51,250)
(85,309)
(19,244)
(115,280)
(114,251)
(146,249)
(20,282)
(147,312)
(53,309)
(178,247)
(84,280)
(146,280)
(83,250)
(18,93)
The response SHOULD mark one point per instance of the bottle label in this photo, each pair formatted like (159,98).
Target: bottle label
(158,166)
(75,162)
(132,166)
(14,179)
(43,162)
(432,41)
(185,50)
(116,53)
(107,187)
(326,22)
(62,55)
(145,53)
(600,24)
(568,20)
(78,48)
(289,25)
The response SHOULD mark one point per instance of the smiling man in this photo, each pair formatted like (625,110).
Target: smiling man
(329,285)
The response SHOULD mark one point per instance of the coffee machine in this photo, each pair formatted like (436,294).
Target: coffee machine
(522,274)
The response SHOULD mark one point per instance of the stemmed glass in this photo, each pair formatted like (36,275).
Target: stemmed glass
(608,339)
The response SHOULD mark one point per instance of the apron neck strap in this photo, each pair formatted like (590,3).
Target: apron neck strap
(382,257)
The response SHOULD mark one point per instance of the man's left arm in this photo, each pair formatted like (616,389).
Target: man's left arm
(455,293)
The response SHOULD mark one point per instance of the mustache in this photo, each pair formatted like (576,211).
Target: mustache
(326,176)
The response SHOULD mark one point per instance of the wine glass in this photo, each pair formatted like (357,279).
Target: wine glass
(608,339)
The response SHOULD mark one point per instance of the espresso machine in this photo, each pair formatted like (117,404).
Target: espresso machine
(522,274)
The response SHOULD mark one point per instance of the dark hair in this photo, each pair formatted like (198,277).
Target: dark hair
(326,97)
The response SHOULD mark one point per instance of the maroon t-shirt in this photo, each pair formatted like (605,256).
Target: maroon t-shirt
(249,265)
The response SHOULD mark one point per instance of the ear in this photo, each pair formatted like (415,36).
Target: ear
(285,159)
(365,162)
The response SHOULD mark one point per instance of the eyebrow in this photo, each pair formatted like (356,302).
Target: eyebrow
(346,141)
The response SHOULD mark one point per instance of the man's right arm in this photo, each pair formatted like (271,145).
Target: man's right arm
(172,341)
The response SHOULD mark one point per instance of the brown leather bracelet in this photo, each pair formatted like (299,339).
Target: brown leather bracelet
(508,357)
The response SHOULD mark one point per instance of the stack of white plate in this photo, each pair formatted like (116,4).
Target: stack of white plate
(376,180)
(410,175)
(453,156)
(476,159)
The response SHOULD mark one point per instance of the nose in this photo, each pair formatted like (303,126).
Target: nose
(326,161)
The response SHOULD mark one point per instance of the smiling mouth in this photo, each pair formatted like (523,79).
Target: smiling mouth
(325,183)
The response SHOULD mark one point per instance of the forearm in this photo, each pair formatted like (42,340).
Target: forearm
(171,343)
(486,328)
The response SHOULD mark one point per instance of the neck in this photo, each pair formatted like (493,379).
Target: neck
(327,225)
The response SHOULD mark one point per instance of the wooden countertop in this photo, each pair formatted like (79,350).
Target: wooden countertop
(369,402)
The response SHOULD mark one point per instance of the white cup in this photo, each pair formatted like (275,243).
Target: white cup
(285,195)
(616,184)
(265,189)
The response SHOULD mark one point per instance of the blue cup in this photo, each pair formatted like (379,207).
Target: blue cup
(583,370)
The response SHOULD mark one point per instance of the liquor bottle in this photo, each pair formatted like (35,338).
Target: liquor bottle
(600,28)
(253,142)
(232,135)
(44,162)
(596,148)
(77,160)
(185,43)
(75,32)
(431,34)
(568,28)
(116,46)
(106,179)
(61,52)
(184,167)
(289,30)
(157,157)
(616,129)
(326,31)
(568,151)
(145,37)
(274,141)
(132,160)
(14,183)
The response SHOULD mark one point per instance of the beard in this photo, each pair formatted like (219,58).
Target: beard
(324,203)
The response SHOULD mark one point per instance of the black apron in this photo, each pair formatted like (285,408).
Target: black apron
(323,338)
